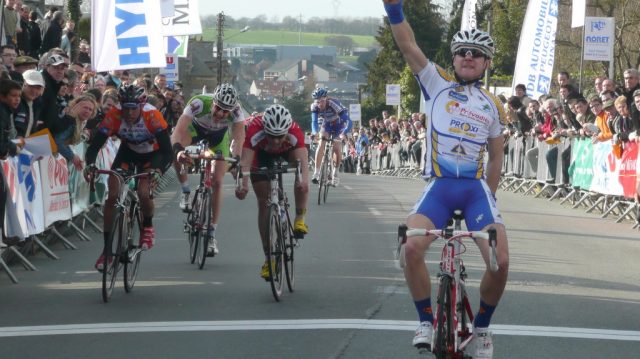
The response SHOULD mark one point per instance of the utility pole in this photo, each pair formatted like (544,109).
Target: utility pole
(300,30)
(220,45)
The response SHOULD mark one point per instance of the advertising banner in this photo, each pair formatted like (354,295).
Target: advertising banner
(599,35)
(393,94)
(469,15)
(126,35)
(55,189)
(78,187)
(185,21)
(536,51)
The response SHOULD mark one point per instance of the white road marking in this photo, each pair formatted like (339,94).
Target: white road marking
(347,187)
(374,211)
(303,324)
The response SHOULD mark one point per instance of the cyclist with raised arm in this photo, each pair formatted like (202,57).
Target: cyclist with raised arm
(466,122)
(144,146)
(270,135)
(335,121)
(209,116)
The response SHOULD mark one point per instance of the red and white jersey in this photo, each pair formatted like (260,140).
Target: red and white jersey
(256,138)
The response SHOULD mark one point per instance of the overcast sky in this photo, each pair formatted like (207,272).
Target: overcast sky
(281,8)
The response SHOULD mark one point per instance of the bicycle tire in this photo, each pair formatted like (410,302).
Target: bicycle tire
(133,255)
(111,258)
(443,344)
(323,180)
(289,249)
(193,221)
(326,187)
(205,220)
(275,251)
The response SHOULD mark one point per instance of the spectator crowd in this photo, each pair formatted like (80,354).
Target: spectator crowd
(46,83)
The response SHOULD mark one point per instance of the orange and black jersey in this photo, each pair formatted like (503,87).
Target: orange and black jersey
(148,134)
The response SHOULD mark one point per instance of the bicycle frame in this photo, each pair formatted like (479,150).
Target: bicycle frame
(196,224)
(452,274)
(127,213)
(281,248)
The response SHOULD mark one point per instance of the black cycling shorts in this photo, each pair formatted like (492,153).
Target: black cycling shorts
(128,159)
(265,159)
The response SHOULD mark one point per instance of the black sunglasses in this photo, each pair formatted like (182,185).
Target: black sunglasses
(475,53)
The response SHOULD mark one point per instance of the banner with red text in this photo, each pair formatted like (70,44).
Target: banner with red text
(55,189)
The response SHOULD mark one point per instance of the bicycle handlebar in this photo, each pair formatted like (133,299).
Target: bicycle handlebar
(450,235)
(120,175)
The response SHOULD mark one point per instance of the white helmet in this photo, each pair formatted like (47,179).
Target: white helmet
(225,96)
(473,38)
(277,120)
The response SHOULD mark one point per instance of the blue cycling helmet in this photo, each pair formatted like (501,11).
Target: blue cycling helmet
(319,92)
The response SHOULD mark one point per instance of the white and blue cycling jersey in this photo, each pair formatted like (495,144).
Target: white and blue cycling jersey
(335,117)
(460,120)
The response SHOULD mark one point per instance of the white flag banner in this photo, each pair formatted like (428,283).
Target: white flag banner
(185,21)
(578,12)
(599,35)
(469,15)
(126,34)
(534,64)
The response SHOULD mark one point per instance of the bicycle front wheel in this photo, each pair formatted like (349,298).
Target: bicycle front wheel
(443,343)
(205,221)
(133,226)
(289,246)
(193,220)
(275,252)
(111,253)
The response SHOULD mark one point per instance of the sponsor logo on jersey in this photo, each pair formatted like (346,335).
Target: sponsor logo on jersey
(452,107)
(458,96)
(460,127)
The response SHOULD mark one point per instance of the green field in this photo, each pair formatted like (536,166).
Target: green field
(271,37)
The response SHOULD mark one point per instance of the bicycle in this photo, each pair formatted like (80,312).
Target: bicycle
(122,248)
(282,238)
(453,318)
(199,214)
(326,170)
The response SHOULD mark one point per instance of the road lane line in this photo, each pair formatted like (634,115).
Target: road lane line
(374,211)
(347,187)
(304,324)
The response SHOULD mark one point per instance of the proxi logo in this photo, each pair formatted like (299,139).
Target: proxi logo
(58,173)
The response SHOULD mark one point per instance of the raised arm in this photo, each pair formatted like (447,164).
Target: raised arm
(403,34)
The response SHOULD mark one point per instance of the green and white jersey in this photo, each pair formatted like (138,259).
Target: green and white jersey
(200,109)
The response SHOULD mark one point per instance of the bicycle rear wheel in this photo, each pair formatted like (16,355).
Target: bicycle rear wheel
(275,252)
(133,226)
(205,221)
(111,254)
(323,181)
(193,221)
(289,247)
(443,343)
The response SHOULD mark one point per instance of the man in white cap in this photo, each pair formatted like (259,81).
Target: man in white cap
(53,74)
(27,117)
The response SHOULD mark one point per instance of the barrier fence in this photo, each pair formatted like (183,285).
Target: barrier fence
(573,170)
(43,193)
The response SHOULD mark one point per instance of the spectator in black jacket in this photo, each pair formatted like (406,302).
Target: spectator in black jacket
(23,42)
(9,99)
(35,36)
(53,73)
(53,36)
